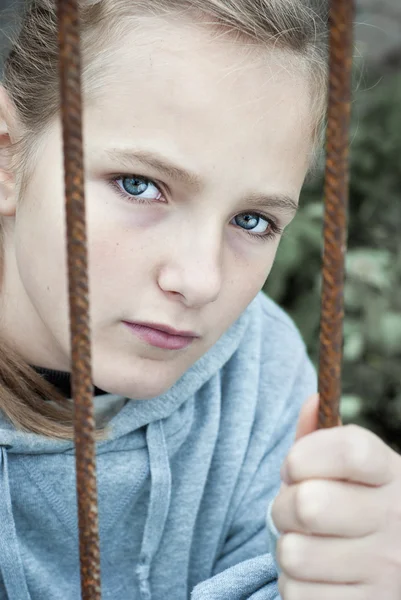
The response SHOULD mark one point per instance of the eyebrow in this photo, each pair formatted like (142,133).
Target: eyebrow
(152,160)
(281,202)
(130,160)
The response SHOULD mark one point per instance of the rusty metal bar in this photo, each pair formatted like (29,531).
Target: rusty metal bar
(336,205)
(81,380)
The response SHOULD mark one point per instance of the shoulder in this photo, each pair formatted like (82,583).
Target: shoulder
(272,311)
(264,385)
(274,332)
(273,362)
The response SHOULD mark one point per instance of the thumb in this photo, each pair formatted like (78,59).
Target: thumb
(307,423)
(308,417)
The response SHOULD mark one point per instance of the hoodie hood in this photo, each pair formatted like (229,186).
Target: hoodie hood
(151,421)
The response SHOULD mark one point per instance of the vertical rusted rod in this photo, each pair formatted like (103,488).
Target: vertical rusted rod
(84,426)
(336,206)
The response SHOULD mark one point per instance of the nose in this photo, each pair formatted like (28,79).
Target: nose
(192,267)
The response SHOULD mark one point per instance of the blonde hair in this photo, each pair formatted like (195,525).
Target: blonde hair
(299,27)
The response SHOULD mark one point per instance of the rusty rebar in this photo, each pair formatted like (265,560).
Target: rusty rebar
(81,380)
(336,207)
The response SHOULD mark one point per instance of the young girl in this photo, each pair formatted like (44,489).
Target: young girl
(202,119)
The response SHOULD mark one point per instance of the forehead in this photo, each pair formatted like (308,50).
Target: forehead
(199,94)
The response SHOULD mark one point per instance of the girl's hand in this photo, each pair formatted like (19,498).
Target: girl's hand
(339,511)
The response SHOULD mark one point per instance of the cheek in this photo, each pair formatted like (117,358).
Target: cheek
(106,282)
(42,270)
(40,244)
(120,269)
(246,288)
(247,277)
(250,268)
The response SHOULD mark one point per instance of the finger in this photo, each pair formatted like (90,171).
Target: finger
(308,418)
(324,559)
(301,590)
(349,453)
(330,508)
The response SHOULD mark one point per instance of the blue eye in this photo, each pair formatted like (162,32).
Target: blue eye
(252,222)
(141,190)
(139,187)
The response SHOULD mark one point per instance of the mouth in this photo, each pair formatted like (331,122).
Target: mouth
(162,336)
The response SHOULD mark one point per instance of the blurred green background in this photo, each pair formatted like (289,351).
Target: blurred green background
(372,327)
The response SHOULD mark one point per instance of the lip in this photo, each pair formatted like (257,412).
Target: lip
(162,336)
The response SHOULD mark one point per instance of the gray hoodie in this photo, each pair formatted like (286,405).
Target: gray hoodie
(184,481)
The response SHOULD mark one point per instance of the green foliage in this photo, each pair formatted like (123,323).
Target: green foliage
(372,296)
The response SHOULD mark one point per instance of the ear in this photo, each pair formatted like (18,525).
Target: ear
(8,123)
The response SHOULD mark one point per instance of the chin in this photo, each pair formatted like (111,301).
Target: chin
(134,376)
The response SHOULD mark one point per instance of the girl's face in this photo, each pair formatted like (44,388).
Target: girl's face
(196,150)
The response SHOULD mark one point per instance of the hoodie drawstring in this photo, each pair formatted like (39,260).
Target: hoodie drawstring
(11,567)
(160,496)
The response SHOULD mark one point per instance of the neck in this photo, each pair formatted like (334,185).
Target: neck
(62,381)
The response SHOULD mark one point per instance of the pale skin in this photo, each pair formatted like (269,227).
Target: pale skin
(177,92)
(185,259)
